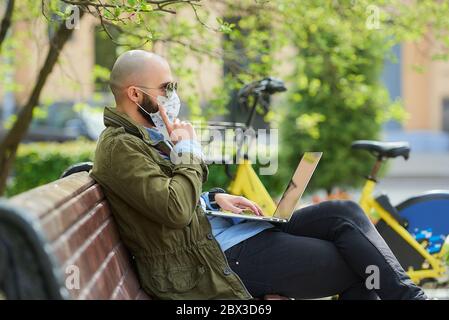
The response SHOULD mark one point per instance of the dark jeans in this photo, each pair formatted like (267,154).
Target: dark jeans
(325,249)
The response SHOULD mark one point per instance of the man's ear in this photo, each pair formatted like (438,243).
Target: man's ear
(132,94)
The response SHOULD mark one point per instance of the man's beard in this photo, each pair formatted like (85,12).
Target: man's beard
(149,107)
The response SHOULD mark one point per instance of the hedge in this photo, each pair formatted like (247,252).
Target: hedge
(42,162)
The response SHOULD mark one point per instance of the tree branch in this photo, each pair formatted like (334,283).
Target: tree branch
(156,5)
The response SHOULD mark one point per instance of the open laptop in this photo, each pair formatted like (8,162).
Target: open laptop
(291,196)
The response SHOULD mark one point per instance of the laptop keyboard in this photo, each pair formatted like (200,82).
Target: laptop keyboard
(245,211)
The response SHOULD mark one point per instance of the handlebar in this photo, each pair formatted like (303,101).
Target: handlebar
(261,90)
(269,85)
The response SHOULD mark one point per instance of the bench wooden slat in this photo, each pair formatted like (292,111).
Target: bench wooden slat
(68,243)
(127,288)
(108,276)
(142,295)
(93,252)
(44,199)
(60,219)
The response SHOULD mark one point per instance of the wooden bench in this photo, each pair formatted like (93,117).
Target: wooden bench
(60,241)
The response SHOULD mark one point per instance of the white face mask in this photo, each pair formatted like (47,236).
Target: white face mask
(171,105)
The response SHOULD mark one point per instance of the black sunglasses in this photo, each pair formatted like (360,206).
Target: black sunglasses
(169,88)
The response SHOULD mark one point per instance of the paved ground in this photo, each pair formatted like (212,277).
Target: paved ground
(400,188)
(421,173)
(440,294)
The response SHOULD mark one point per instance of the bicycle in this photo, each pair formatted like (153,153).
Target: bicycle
(417,228)
(245,180)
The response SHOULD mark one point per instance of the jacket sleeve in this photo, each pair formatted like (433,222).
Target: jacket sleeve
(170,201)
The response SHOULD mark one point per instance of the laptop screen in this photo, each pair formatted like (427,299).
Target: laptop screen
(297,185)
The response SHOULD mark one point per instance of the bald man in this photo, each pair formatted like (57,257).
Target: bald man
(151,168)
(157,201)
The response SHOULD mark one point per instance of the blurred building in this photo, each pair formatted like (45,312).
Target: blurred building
(423,86)
(70,80)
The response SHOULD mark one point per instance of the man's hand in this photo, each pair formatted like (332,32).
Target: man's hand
(237,204)
(178,130)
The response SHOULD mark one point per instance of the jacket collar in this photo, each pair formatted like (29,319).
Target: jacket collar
(114,118)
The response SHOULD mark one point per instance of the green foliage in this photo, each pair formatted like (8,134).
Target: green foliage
(336,96)
(217,177)
(43,162)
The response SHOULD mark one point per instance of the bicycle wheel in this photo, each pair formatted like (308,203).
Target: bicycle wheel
(428,210)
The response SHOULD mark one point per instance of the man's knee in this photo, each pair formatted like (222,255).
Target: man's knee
(346,209)
(352,211)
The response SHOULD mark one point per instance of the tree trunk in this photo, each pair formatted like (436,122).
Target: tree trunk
(8,146)
(6,22)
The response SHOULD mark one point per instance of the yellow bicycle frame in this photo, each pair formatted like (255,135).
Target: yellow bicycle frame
(435,268)
(247,183)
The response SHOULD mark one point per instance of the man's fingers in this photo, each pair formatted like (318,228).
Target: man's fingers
(247,203)
(164,117)
(255,208)
(259,209)
(237,204)
(235,209)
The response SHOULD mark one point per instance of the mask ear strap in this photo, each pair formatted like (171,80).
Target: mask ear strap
(145,92)
(141,108)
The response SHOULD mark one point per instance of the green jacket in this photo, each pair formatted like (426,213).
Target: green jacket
(159,216)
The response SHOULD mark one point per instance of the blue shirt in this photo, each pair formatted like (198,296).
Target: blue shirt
(231,231)
(227,231)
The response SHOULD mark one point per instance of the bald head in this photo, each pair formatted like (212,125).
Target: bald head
(138,68)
